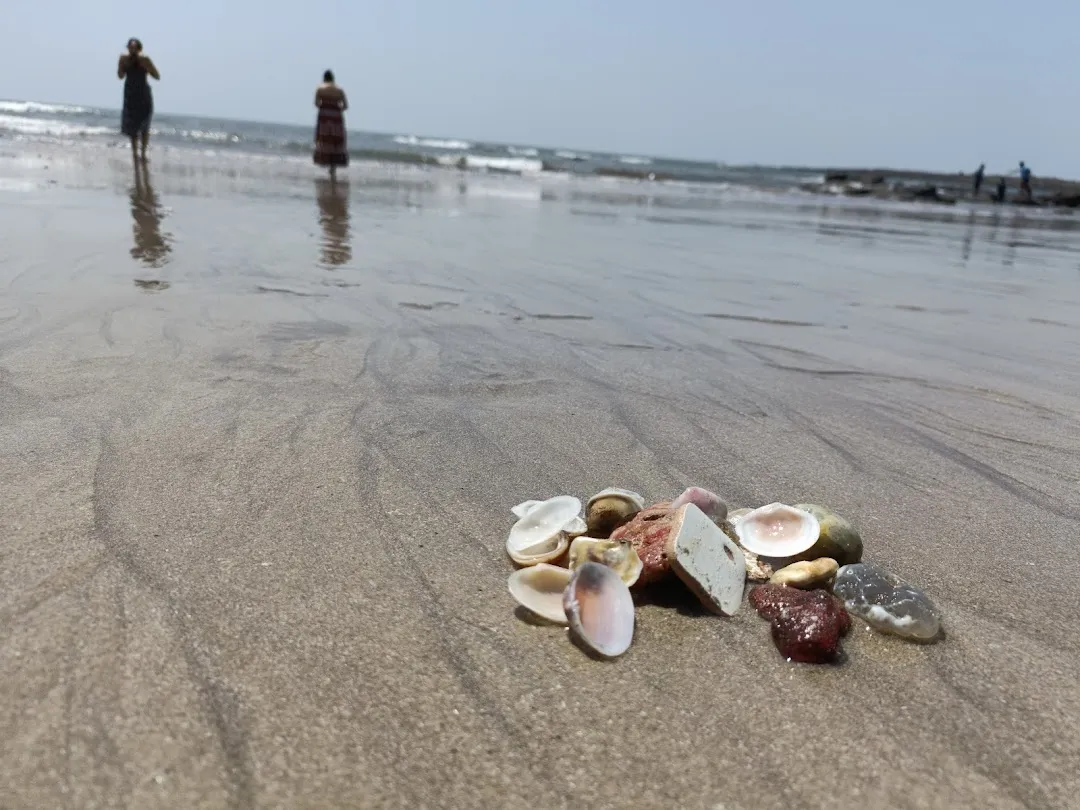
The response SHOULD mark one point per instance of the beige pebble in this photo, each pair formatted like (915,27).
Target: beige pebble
(806,574)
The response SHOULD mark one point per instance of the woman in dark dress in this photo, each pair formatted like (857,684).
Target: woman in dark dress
(135,68)
(330,146)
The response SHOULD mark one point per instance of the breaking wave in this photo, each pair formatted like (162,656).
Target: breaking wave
(25,107)
(51,127)
(433,143)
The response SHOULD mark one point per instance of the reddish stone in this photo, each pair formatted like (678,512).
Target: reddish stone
(806,625)
(649,533)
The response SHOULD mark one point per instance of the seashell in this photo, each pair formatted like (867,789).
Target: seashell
(708,502)
(574,528)
(541,535)
(777,531)
(617,555)
(757,570)
(735,515)
(540,589)
(600,609)
(608,510)
(524,508)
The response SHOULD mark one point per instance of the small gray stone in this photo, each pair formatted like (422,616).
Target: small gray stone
(887,603)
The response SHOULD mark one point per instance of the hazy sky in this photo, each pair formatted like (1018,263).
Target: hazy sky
(940,85)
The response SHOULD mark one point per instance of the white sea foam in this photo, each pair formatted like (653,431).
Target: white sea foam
(522,151)
(635,161)
(432,143)
(566,154)
(494,164)
(46,126)
(23,107)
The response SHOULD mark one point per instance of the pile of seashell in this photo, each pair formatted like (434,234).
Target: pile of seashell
(579,571)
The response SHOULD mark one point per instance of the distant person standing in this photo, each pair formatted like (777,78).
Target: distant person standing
(134,68)
(1025,181)
(978,179)
(331,148)
(1002,190)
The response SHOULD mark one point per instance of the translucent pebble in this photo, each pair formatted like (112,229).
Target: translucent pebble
(887,603)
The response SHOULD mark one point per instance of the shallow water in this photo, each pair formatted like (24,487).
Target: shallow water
(260,435)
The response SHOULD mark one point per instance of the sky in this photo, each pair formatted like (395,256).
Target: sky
(939,85)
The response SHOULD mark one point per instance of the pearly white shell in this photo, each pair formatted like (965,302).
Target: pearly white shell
(540,589)
(777,530)
(542,534)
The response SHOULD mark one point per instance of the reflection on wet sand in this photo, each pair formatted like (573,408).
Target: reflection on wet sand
(333,200)
(969,237)
(151,246)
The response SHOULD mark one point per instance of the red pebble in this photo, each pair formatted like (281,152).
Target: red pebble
(648,533)
(806,625)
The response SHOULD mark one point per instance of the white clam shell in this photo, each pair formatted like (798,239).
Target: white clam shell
(617,555)
(523,508)
(540,589)
(777,530)
(542,534)
(599,609)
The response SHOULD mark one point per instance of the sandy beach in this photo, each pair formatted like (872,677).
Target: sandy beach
(260,437)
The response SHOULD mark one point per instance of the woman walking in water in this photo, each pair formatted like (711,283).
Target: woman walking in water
(330,147)
(134,68)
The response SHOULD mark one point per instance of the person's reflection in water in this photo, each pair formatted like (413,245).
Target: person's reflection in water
(969,237)
(151,247)
(333,200)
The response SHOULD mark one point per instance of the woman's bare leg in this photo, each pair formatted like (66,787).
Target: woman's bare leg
(145,141)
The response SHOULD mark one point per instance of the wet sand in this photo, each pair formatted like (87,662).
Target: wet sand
(259,439)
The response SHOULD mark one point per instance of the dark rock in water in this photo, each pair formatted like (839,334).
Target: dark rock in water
(836,177)
(838,539)
(932,194)
(806,625)
(887,603)
(857,190)
(1066,200)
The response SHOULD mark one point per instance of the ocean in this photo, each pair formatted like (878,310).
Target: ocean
(27,122)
